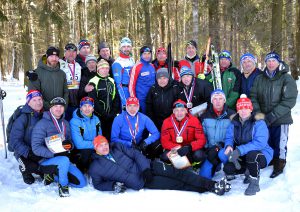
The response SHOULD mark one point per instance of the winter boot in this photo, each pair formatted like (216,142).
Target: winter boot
(279,165)
(247,176)
(253,186)
(63,191)
(221,187)
(27,177)
(48,179)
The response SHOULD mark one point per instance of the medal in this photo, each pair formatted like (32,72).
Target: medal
(132,131)
(190,96)
(179,139)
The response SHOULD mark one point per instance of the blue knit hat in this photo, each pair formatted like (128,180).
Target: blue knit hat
(225,54)
(83,43)
(87,100)
(186,71)
(272,55)
(248,56)
(145,49)
(217,92)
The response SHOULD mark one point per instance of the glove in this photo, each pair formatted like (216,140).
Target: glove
(269,119)
(119,187)
(184,150)
(135,146)
(33,157)
(233,157)
(67,145)
(147,175)
(212,155)
(143,146)
(66,153)
(31,75)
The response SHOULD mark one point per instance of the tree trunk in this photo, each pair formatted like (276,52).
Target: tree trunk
(162,24)
(195,6)
(177,30)
(169,40)
(276,30)
(15,69)
(147,22)
(31,36)
(290,39)
(213,18)
(298,35)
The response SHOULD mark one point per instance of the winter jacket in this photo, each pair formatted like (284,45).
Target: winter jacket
(142,77)
(20,136)
(73,73)
(201,94)
(51,83)
(275,97)
(121,70)
(159,102)
(159,64)
(192,134)
(107,101)
(110,62)
(120,132)
(253,135)
(81,60)
(127,168)
(43,129)
(215,126)
(231,85)
(195,64)
(86,76)
(247,83)
(84,129)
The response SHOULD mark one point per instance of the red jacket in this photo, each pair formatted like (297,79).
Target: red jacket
(196,66)
(193,133)
(158,65)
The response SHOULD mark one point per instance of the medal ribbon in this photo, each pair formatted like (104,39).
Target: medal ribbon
(72,71)
(179,132)
(133,132)
(63,130)
(190,96)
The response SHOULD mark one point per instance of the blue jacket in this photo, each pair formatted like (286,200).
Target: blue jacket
(252,135)
(84,130)
(247,83)
(20,136)
(120,129)
(43,129)
(127,168)
(215,127)
(121,71)
(142,77)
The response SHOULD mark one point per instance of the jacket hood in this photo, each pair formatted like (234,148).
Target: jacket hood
(282,68)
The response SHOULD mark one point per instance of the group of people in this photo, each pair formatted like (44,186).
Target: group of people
(120,122)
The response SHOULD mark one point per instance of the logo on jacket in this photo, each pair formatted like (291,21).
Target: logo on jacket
(229,80)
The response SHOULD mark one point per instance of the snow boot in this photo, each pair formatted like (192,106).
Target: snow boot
(247,176)
(279,165)
(48,179)
(63,191)
(253,186)
(27,177)
(221,187)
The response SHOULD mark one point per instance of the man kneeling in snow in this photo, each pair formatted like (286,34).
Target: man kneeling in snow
(52,128)
(116,168)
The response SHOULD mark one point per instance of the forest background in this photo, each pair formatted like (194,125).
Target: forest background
(28,27)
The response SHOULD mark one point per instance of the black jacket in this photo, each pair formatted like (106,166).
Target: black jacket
(86,76)
(159,102)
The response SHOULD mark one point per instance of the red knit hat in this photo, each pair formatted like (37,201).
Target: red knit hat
(161,49)
(31,94)
(132,101)
(244,103)
(179,103)
(99,140)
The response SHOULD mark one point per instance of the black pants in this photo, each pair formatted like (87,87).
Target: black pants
(169,178)
(153,150)
(253,161)
(82,158)
(196,156)
(29,167)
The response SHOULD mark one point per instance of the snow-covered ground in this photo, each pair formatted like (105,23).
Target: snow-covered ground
(279,194)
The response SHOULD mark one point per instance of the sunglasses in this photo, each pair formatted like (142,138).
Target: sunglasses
(179,105)
(225,54)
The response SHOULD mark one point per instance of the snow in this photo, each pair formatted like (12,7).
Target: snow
(279,194)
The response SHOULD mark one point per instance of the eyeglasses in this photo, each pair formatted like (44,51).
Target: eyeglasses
(161,51)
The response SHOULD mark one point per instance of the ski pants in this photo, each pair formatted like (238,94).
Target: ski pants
(278,140)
